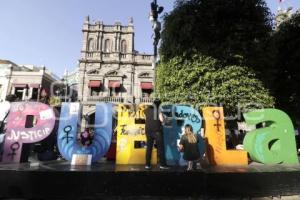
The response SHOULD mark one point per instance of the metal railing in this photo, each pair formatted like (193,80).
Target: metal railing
(106,99)
(146,100)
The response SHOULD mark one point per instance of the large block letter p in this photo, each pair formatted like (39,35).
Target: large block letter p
(27,122)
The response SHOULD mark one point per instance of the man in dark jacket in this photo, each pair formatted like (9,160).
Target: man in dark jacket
(154,132)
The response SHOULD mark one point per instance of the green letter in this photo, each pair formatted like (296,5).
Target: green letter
(275,142)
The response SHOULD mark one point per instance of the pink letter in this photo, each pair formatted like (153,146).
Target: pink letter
(27,122)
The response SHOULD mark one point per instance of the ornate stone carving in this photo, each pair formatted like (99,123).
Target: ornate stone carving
(145,75)
(114,73)
(94,71)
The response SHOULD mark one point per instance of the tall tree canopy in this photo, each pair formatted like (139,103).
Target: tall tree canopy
(230,30)
(204,80)
(286,84)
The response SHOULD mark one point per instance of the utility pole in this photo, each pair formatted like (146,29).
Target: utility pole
(66,84)
(156,26)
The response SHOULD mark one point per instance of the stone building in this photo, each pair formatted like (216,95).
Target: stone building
(71,81)
(25,81)
(6,67)
(110,69)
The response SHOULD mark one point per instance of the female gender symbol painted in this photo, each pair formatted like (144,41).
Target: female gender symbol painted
(67,131)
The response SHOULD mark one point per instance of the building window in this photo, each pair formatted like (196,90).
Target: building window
(147,89)
(91,44)
(107,46)
(19,92)
(123,46)
(146,93)
(95,91)
(95,87)
(35,93)
(114,88)
(114,92)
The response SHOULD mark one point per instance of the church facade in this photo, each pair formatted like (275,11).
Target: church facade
(110,69)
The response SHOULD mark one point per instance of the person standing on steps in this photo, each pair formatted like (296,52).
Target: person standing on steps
(154,132)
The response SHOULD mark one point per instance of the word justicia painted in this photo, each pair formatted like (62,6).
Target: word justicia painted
(272,143)
(28,135)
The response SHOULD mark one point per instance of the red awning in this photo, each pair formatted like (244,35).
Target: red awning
(114,84)
(34,85)
(146,85)
(17,85)
(94,84)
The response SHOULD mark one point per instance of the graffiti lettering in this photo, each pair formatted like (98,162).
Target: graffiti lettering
(131,136)
(123,130)
(28,135)
(192,117)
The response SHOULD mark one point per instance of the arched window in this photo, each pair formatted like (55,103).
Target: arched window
(107,45)
(91,46)
(123,46)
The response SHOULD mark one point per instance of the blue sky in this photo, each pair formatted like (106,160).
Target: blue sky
(48,32)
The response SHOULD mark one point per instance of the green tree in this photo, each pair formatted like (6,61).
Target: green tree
(232,31)
(203,80)
(286,84)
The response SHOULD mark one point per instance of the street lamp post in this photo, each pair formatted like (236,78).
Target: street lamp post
(66,84)
(156,26)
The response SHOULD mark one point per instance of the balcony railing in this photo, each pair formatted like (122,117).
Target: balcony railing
(116,56)
(143,100)
(90,55)
(106,99)
(143,57)
(146,100)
